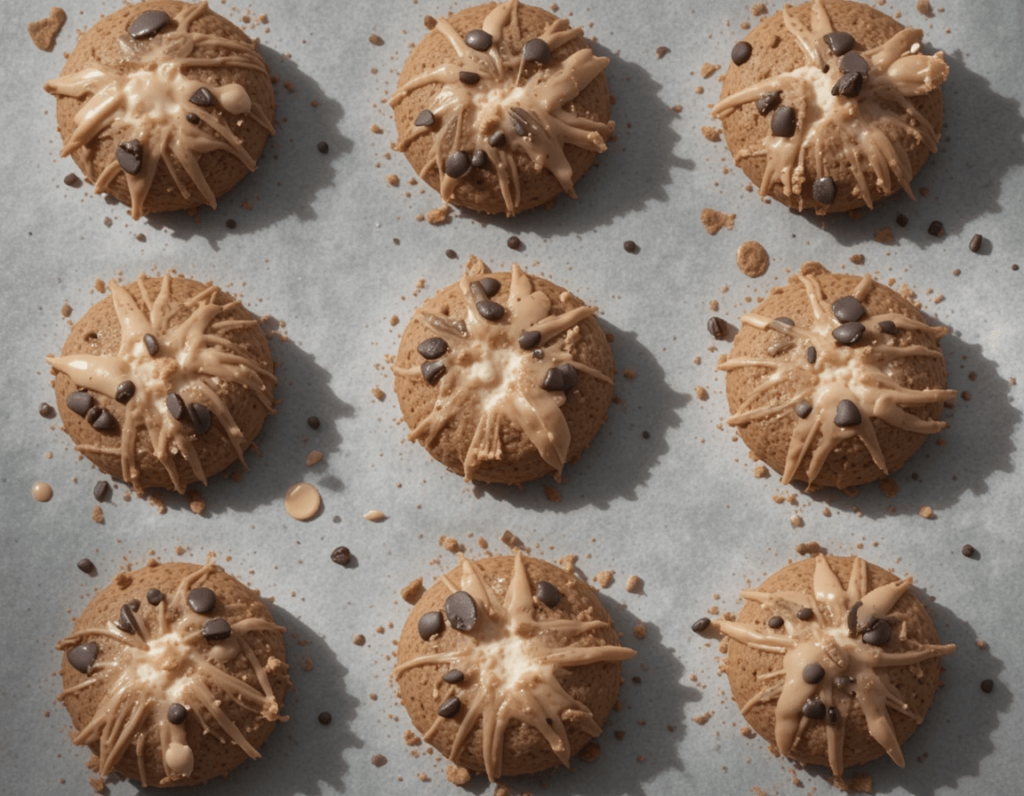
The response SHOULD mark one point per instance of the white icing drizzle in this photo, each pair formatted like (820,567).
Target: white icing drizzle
(825,640)
(142,674)
(511,660)
(193,356)
(468,115)
(490,380)
(855,127)
(856,373)
(150,101)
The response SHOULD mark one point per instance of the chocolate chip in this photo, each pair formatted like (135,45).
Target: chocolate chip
(847,309)
(324,718)
(341,556)
(479,159)
(451,254)
(124,392)
(134,604)
(457,164)
(154,596)
(434,348)
(323,147)
(701,625)
(92,415)
(832,717)
(86,566)
(518,123)
(101,491)
(79,402)
(513,242)
(176,713)
(775,622)
(805,614)
(839,42)
(717,327)
(967,550)
(45,410)
(784,122)
(129,156)
(813,673)
(479,40)
(432,371)
(127,622)
(878,634)
(460,608)
(453,676)
(202,600)
(313,422)
(216,629)
(560,379)
(529,339)
(152,346)
(824,190)
(785,320)
(975,244)
(766,103)
(853,62)
(813,709)
(803,409)
(538,354)
(490,285)
(537,50)
(450,708)
(147,24)
(548,593)
(936,229)
(191,118)
(490,310)
(200,417)
(83,656)
(812,355)
(847,414)
(176,406)
(72,180)
(843,682)
(849,85)
(425,119)
(887,327)
(987,686)
(430,624)
(102,420)
(630,246)
(202,97)
(848,333)
(741,52)
(902,220)
(497,139)
(469,78)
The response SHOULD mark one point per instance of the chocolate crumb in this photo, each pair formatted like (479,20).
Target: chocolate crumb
(987,686)
(902,220)
(451,254)
(967,550)
(323,148)
(314,422)
(45,410)
(341,555)
(231,223)
(86,566)
(514,243)
(376,41)
(936,229)
(661,52)
(379,760)
(324,718)
(975,244)
(630,246)
(72,180)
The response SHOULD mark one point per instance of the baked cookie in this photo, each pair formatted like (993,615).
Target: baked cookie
(502,107)
(164,382)
(164,105)
(174,674)
(834,661)
(523,673)
(835,380)
(504,377)
(832,105)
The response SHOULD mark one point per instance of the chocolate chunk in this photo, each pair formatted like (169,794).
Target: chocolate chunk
(101,491)
(513,242)
(341,555)
(152,346)
(79,402)
(887,327)
(217,629)
(839,42)
(813,673)
(554,380)
(479,159)
(469,78)
(457,164)
(824,190)
(878,634)
(803,409)
(784,122)
(849,85)
(202,600)
(45,410)
(975,244)
(324,718)
(323,147)
(701,625)
(460,608)
(741,52)
(126,620)
(479,40)
(848,333)
(528,340)
(86,566)
(805,614)
(129,156)
(490,310)
(450,708)
(853,62)
(103,420)
(313,422)
(936,229)
(630,246)
(202,97)
(967,550)
(176,713)
(812,355)
(813,709)
(847,414)
(434,348)
(902,220)
(83,656)
(490,285)
(548,593)
(775,622)
(430,624)
(454,676)
(432,371)
(497,139)
(766,103)
(124,392)
(154,596)
(147,24)
(425,119)
(200,417)
(847,309)
(191,118)
(717,327)
(176,406)
(987,686)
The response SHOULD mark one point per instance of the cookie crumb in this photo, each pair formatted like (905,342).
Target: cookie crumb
(714,221)
(379,760)
(450,544)
(704,718)
(640,631)
(393,180)
(412,591)
(885,235)
(748,732)
(808,549)
(44,32)
(759,9)
(375,40)
(857,259)
(315,457)
(635,584)
(509,539)
(458,775)
(661,52)
(707,70)
(605,579)
(359,639)
(567,563)
(374,515)
(713,134)
(889,487)
(925,7)
(760,471)
(590,752)
(552,494)
(97,515)
(196,503)
(796,521)
(752,259)
(378,393)
(926,512)
(701,393)
(98,785)
(439,215)
(411,738)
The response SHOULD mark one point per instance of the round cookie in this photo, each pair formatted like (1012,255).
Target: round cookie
(832,106)
(834,661)
(174,674)
(502,107)
(504,377)
(164,382)
(164,105)
(509,665)
(835,380)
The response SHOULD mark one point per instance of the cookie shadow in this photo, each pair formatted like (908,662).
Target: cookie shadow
(291,172)
(626,449)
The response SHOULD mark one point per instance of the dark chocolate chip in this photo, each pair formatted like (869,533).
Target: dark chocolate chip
(479,159)
(147,24)
(134,604)
(832,717)
(469,78)
(717,327)
(803,409)
(784,122)
(490,285)
(425,119)
(432,371)
(92,415)
(103,421)
(849,85)
(460,608)
(839,42)
(341,555)
(775,622)
(231,223)
(902,220)
(848,333)
(313,422)
(101,491)
(217,629)
(202,97)
(45,410)
(813,673)
(152,346)
(457,164)
(554,381)
(86,566)
(126,620)
(843,682)
(176,713)
(323,147)
(518,125)
(701,625)
(824,190)
(154,596)
(72,180)
(430,624)
(936,229)
(766,103)
(537,50)
(853,62)
(847,414)
(513,242)
(785,320)
(538,354)
(812,355)
(813,709)
(451,254)
(490,310)
(548,593)
(847,309)
(967,550)
(805,614)
(453,676)
(79,402)
(529,339)
(124,392)
(176,406)
(630,246)
(741,52)
(450,708)
(975,244)
(479,40)
(83,656)
(878,634)
(497,139)
(200,417)
(324,718)
(887,327)
(192,118)
(129,156)
(434,348)
(202,600)
(987,686)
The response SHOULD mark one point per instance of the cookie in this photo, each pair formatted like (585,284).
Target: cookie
(834,661)
(164,382)
(174,674)
(509,665)
(504,377)
(502,107)
(835,380)
(832,106)
(164,105)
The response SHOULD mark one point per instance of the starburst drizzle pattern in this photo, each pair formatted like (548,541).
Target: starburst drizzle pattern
(511,661)
(831,661)
(503,365)
(156,113)
(167,373)
(486,112)
(836,392)
(843,104)
(166,670)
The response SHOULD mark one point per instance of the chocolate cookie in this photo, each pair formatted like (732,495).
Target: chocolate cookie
(164,382)
(509,665)
(504,377)
(834,661)
(165,105)
(835,380)
(832,105)
(174,674)
(502,107)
